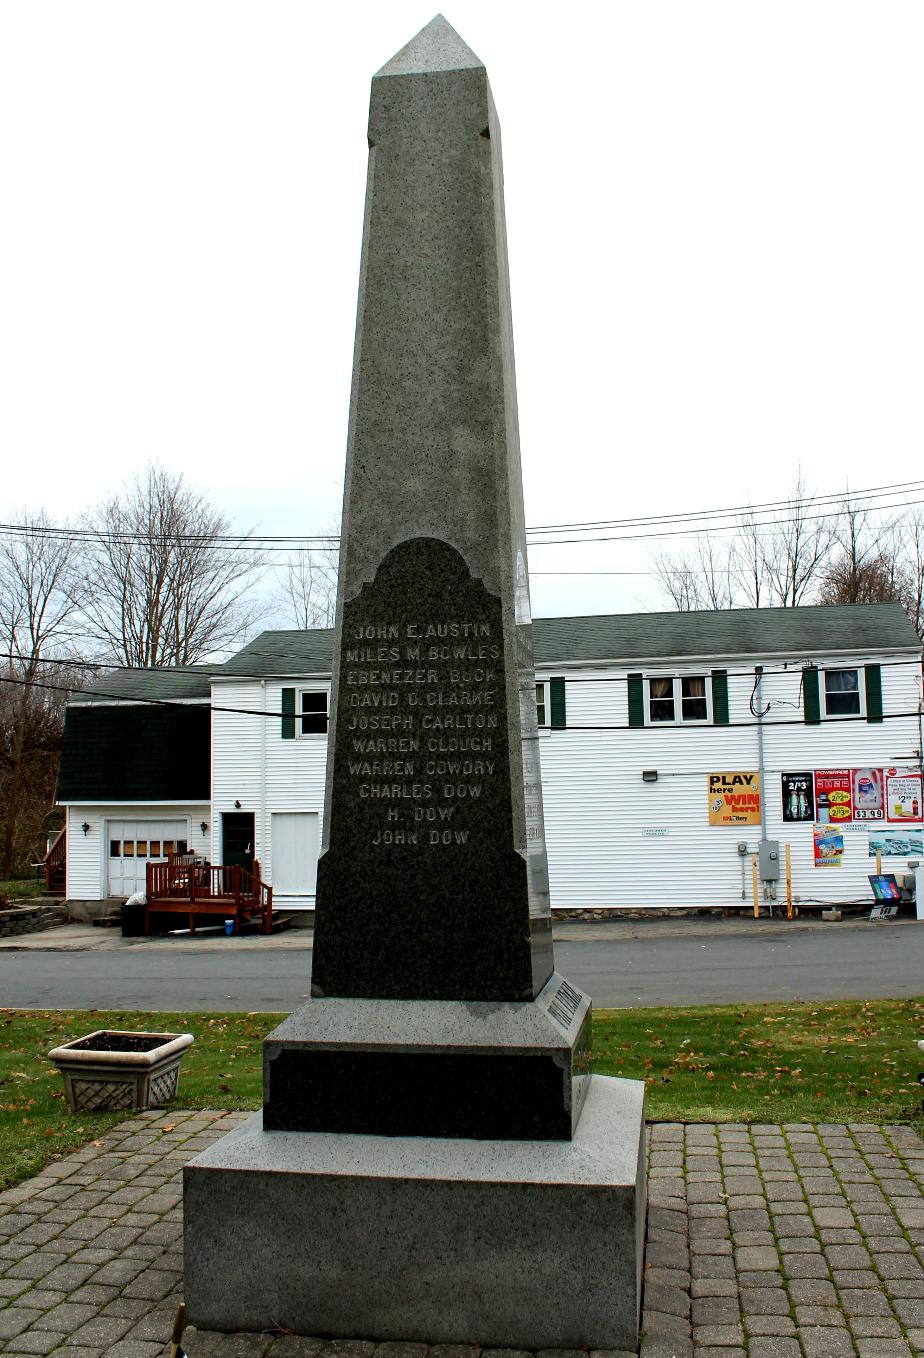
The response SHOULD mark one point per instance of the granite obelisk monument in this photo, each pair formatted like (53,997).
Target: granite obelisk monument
(434,1160)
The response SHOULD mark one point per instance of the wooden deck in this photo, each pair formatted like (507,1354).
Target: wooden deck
(190,887)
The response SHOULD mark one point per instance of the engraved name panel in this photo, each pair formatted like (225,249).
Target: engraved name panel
(424,888)
(421,728)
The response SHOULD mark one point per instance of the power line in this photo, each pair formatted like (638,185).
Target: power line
(208,671)
(614,726)
(133,699)
(258,712)
(835,497)
(711,528)
(761,516)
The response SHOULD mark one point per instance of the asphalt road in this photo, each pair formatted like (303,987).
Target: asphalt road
(850,961)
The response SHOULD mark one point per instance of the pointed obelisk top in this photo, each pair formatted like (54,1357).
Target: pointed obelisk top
(437,47)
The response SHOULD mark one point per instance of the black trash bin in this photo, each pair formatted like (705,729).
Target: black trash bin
(132,920)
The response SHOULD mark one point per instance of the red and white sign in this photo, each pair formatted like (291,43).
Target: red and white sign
(903,795)
(833,796)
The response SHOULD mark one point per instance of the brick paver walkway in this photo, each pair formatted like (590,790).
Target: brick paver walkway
(763,1241)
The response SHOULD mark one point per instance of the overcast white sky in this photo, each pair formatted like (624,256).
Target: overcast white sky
(715,215)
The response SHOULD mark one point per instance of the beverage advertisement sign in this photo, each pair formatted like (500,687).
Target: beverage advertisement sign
(734,798)
(829,846)
(866,791)
(833,798)
(903,794)
(798,796)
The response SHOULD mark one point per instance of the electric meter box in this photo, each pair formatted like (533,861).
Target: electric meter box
(768,860)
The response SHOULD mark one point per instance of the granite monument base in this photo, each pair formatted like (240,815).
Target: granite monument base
(509,1244)
(495,1071)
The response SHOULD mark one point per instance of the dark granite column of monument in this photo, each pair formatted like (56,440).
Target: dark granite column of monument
(433,881)
(435,1008)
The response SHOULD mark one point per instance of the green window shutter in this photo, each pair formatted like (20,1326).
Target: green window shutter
(811,703)
(720,697)
(288,714)
(873,676)
(636,700)
(557,703)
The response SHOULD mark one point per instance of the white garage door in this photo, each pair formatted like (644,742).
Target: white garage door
(295,853)
(134,843)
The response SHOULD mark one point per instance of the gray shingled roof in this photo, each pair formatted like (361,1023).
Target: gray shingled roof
(284,653)
(799,632)
(132,686)
(642,636)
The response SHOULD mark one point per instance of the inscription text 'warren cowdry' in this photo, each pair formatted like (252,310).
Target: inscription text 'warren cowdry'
(421,725)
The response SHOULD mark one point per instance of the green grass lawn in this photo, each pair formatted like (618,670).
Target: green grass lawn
(847,1061)
(18,887)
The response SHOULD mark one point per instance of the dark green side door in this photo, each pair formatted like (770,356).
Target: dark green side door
(237,829)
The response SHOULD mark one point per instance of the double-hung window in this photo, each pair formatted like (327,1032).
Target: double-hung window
(313,710)
(842,693)
(677,698)
(542,703)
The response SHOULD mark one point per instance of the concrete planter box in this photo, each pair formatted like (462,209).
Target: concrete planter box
(111,1071)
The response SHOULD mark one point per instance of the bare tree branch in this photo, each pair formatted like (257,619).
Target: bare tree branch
(795,549)
(38,618)
(911,568)
(679,579)
(747,562)
(162,589)
(308,591)
(862,566)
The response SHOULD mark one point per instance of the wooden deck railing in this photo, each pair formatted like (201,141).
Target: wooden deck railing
(55,860)
(183,882)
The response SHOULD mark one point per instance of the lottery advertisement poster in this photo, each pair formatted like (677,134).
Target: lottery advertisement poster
(833,796)
(734,798)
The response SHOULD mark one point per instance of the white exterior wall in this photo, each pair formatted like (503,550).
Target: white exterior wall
(87,854)
(252,764)
(597,806)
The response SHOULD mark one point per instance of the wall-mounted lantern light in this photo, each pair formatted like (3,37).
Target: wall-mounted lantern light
(237,806)
(85,827)
(649,775)
(203,826)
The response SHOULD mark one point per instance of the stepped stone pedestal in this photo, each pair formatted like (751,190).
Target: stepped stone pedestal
(513,1244)
(434,1160)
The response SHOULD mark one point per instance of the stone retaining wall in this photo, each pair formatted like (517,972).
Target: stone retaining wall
(29,919)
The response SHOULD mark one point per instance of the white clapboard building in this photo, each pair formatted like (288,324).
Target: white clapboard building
(672,745)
